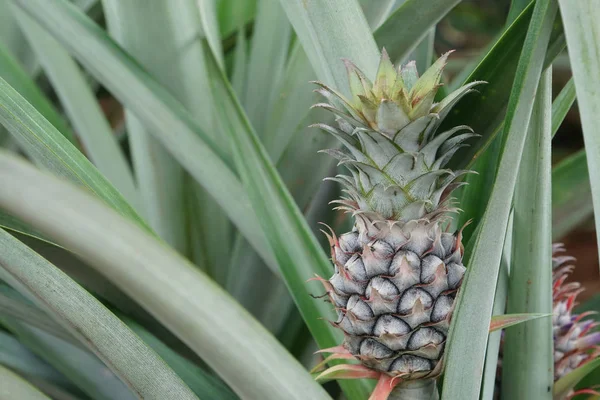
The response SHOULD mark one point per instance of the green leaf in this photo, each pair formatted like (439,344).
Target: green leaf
(490,101)
(376,12)
(504,321)
(475,195)
(28,313)
(19,358)
(571,194)
(330,31)
(49,148)
(469,331)
(11,71)
(413,20)
(15,387)
(82,108)
(528,361)
(233,14)
(89,321)
(168,120)
(584,52)
(268,54)
(80,366)
(297,251)
(492,353)
(204,385)
(563,386)
(562,104)
(189,303)
(210,27)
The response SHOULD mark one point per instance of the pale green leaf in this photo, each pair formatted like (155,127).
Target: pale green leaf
(583,38)
(89,321)
(469,332)
(409,24)
(562,104)
(169,122)
(15,387)
(571,194)
(268,54)
(528,361)
(189,304)
(82,368)
(49,148)
(13,73)
(330,31)
(297,251)
(82,108)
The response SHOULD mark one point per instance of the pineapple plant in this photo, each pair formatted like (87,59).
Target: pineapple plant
(398,271)
(159,238)
(576,342)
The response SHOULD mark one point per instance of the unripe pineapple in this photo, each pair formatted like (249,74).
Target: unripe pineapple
(396,273)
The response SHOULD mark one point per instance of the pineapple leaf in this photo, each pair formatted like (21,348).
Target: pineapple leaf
(51,150)
(296,249)
(190,304)
(571,194)
(15,76)
(563,386)
(82,108)
(469,331)
(504,321)
(584,53)
(414,21)
(88,320)
(490,100)
(330,31)
(562,104)
(206,160)
(16,387)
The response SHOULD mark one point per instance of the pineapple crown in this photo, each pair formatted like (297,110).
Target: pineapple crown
(392,149)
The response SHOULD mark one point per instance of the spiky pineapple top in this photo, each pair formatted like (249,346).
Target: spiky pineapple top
(388,128)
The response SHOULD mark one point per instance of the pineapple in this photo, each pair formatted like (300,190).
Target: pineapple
(574,343)
(397,272)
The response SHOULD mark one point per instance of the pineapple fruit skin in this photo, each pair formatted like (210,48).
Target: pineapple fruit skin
(394,289)
(397,273)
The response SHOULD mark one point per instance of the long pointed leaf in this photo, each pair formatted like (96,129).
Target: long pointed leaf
(413,20)
(176,129)
(528,363)
(88,320)
(583,38)
(12,72)
(189,304)
(82,108)
(50,149)
(468,335)
(571,194)
(298,252)
(330,31)
(15,387)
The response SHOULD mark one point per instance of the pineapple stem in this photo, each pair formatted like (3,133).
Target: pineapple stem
(415,390)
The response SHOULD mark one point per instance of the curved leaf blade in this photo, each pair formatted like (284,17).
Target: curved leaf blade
(189,304)
(88,320)
(583,38)
(469,331)
(49,148)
